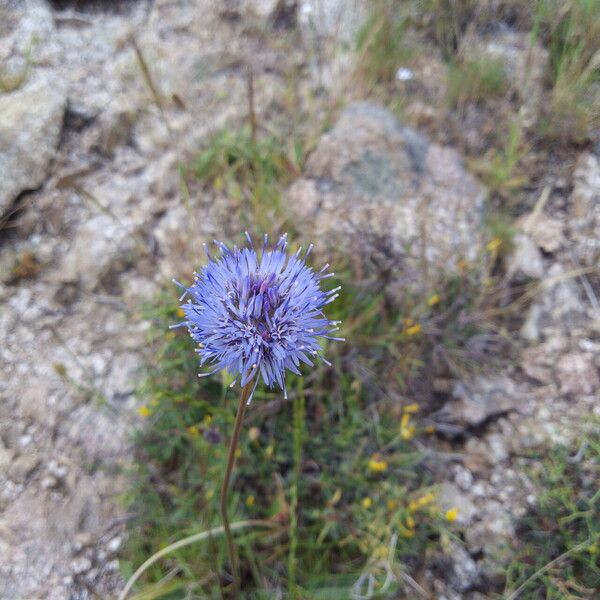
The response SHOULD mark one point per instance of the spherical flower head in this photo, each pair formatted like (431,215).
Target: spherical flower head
(256,316)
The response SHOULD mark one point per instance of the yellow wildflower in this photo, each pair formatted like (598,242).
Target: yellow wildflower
(413,329)
(412,408)
(367,502)
(407,430)
(452,514)
(250,501)
(377,464)
(410,522)
(193,430)
(381,552)
(419,503)
(433,300)
(144,411)
(407,533)
(392,504)
(494,245)
(207,420)
(180,312)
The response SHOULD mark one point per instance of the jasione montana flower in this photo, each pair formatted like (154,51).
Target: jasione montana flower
(256,316)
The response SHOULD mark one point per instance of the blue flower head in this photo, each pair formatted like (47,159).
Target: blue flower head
(256,316)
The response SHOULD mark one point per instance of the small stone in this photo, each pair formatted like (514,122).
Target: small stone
(577,374)
(478,399)
(546,232)
(114,545)
(112,566)
(465,572)
(49,482)
(22,467)
(82,540)
(81,565)
(526,261)
(463,478)
(497,447)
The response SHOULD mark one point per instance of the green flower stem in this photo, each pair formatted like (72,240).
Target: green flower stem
(237,426)
(297,469)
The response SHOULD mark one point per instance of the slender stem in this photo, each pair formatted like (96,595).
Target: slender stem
(297,470)
(239,419)
(192,539)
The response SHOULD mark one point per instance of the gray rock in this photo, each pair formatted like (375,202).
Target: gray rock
(376,189)
(526,261)
(30,124)
(577,374)
(492,532)
(22,467)
(450,496)
(557,307)
(545,231)
(584,209)
(465,572)
(478,399)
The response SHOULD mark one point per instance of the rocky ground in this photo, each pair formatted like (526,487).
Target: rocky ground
(111,103)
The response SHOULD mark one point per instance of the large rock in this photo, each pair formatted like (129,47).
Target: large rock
(378,189)
(30,124)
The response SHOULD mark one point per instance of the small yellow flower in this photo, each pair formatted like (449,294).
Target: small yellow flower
(407,430)
(494,245)
(367,502)
(412,408)
(392,504)
(410,522)
(413,329)
(193,430)
(377,464)
(452,514)
(180,312)
(381,552)
(144,411)
(419,503)
(408,433)
(429,428)
(207,420)
(407,533)
(433,300)
(250,501)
